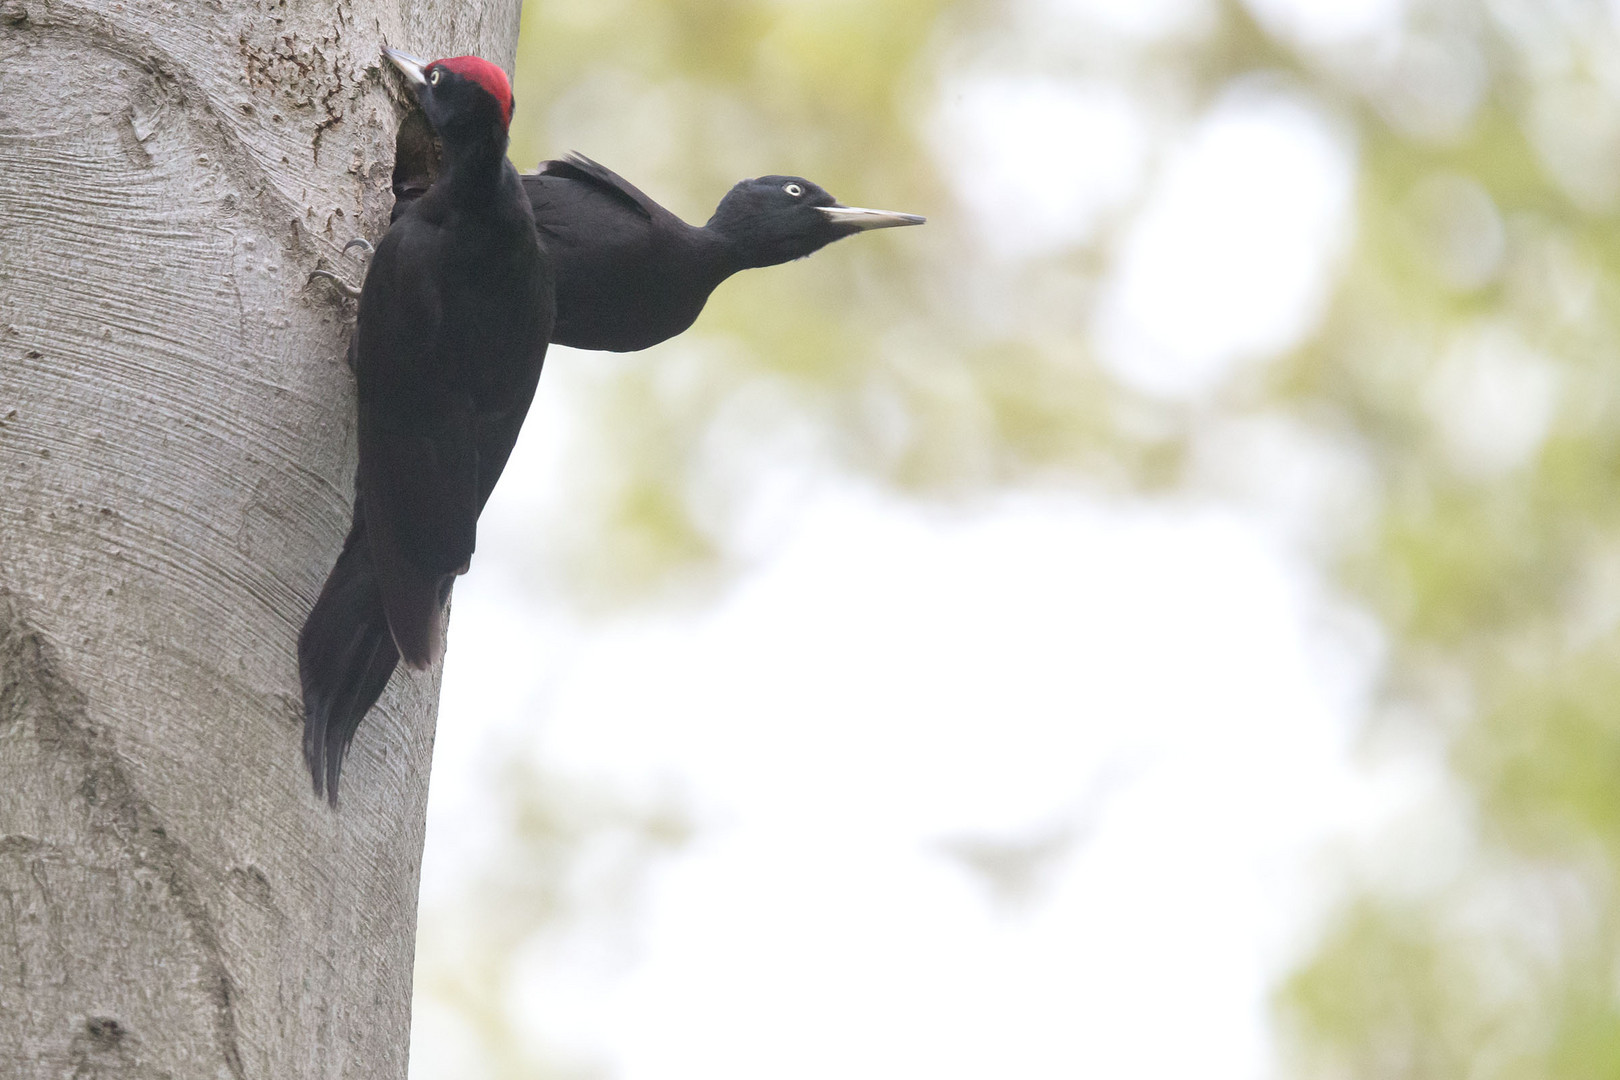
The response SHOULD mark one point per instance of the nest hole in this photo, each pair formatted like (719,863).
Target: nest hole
(416,159)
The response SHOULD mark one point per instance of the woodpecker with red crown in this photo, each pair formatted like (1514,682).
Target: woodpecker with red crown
(454,318)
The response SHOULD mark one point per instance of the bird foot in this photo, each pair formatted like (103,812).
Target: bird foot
(338,283)
(351,291)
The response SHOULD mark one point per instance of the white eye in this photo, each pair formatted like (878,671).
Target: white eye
(433,76)
(793,189)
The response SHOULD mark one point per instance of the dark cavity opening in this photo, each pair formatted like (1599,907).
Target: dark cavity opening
(416,159)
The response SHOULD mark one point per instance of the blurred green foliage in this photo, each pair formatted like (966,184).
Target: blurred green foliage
(1488,550)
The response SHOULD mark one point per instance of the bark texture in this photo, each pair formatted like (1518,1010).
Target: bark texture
(176,455)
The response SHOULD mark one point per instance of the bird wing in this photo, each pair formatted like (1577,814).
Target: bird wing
(418,476)
(576,166)
(623,276)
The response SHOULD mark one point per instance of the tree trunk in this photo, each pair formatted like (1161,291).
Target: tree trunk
(176,454)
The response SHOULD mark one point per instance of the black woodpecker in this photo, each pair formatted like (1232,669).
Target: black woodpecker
(454,319)
(631,274)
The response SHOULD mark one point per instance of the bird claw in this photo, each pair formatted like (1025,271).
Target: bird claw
(338,283)
(343,286)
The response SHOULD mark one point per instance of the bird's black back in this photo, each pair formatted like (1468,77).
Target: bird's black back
(629,273)
(452,331)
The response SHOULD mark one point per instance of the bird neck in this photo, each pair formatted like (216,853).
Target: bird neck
(473,163)
(728,251)
(712,256)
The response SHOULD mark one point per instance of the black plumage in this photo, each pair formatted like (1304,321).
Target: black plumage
(631,274)
(453,324)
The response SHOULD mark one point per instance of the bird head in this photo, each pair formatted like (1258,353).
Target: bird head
(773,219)
(458,93)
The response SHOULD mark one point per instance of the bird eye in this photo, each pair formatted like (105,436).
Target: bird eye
(793,189)
(433,76)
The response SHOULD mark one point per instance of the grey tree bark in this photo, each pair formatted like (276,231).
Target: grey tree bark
(176,454)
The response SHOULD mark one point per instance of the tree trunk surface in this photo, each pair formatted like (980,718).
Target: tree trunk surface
(176,462)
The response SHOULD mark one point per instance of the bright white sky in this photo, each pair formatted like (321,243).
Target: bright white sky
(1231,259)
(1144,700)
(1140,696)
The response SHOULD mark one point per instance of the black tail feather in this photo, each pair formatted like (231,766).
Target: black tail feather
(345,657)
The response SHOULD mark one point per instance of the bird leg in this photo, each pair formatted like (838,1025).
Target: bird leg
(351,291)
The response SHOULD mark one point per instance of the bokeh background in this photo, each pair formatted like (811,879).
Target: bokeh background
(1160,619)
